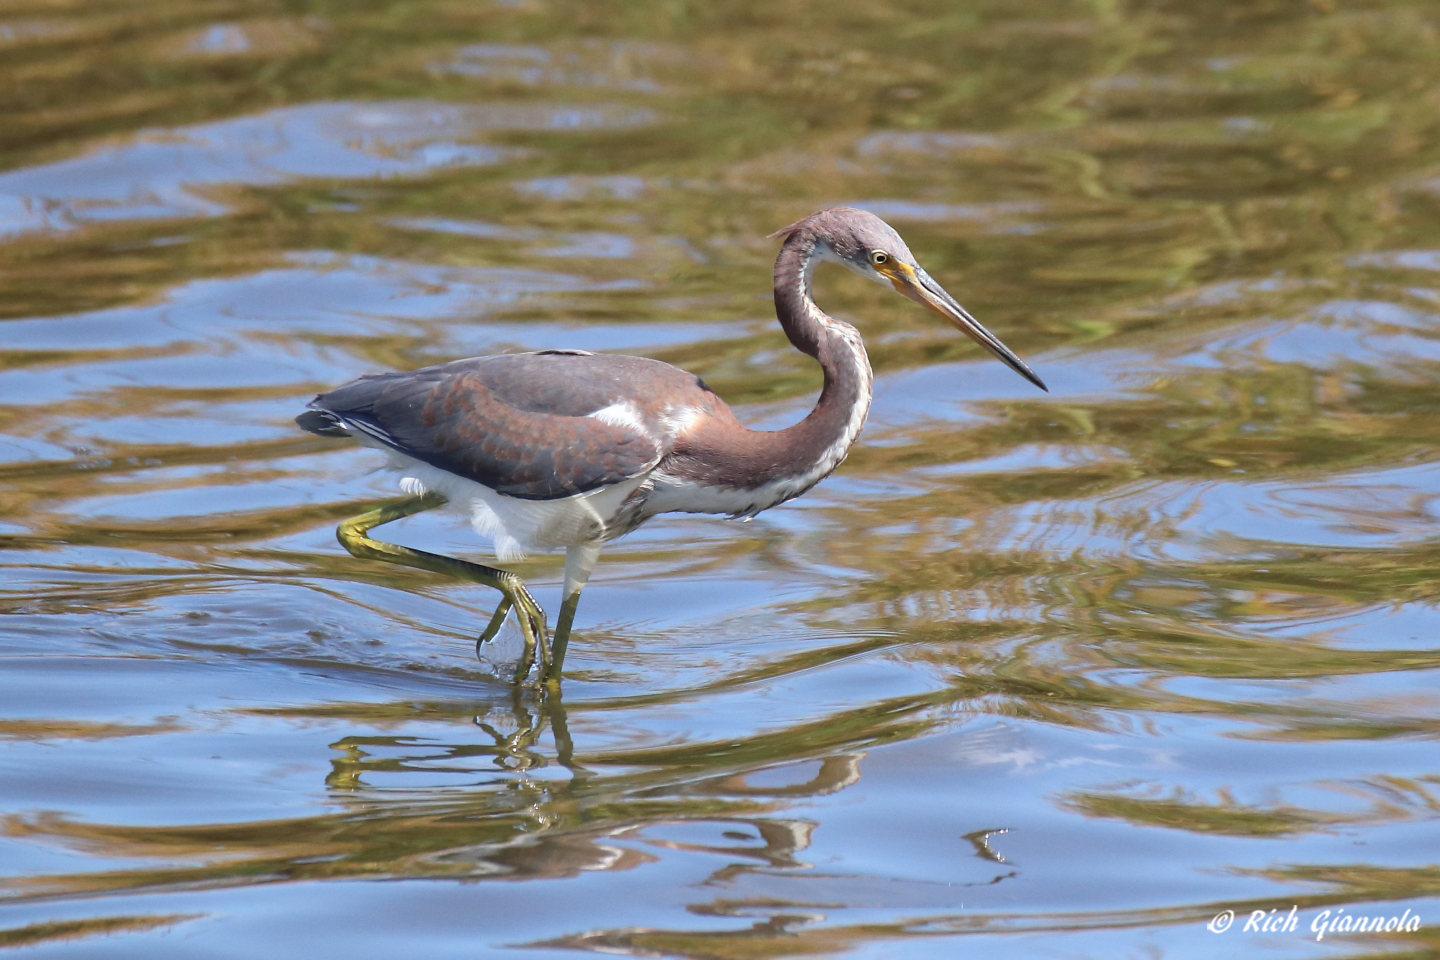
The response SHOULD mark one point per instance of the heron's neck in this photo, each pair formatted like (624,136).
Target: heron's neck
(822,438)
(756,469)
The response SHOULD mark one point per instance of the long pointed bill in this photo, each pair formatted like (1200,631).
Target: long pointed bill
(919,286)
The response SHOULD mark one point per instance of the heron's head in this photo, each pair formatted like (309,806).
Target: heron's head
(862,242)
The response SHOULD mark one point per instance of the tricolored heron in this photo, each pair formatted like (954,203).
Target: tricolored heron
(564,448)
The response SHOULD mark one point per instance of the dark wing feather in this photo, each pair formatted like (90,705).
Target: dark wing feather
(322,424)
(516,424)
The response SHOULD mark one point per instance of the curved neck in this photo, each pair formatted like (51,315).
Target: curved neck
(761,468)
(836,345)
(814,447)
(755,469)
(802,320)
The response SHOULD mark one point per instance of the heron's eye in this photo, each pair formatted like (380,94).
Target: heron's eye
(878,257)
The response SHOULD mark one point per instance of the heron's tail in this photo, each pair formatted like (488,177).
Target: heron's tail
(322,423)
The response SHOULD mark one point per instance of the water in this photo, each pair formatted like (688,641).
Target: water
(1058,675)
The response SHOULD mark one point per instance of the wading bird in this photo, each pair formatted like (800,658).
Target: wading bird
(564,448)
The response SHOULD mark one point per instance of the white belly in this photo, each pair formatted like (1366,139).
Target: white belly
(515,526)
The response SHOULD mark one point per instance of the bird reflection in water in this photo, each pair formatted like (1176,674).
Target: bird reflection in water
(564,448)
(515,724)
(559,851)
(515,818)
(533,816)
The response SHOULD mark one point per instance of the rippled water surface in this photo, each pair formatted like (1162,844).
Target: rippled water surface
(1032,675)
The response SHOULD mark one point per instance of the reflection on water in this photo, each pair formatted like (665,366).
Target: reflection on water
(165,174)
(1029,676)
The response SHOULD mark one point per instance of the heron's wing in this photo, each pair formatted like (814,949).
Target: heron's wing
(519,425)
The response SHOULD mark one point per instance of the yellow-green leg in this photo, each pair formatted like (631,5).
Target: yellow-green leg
(352,536)
(550,672)
(579,562)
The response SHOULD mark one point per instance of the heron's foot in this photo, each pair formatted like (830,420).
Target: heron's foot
(552,649)
(352,535)
(531,619)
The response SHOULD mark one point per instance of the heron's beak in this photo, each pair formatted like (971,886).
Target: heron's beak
(919,286)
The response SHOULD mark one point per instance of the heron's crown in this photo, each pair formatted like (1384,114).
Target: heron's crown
(850,235)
